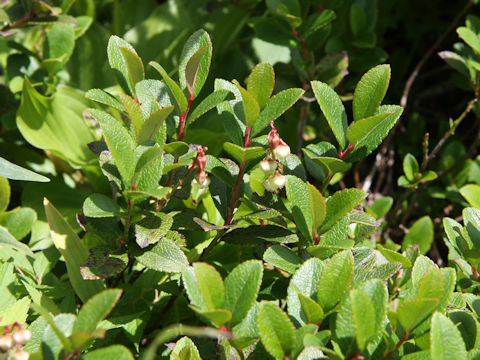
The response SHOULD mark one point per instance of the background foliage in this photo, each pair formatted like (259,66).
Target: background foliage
(146,197)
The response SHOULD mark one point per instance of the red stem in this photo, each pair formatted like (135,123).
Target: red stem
(343,154)
(402,340)
(236,190)
(247,137)
(183,117)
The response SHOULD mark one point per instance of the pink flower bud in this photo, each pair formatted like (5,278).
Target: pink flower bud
(20,355)
(274,182)
(279,180)
(6,342)
(281,152)
(22,336)
(269,185)
(268,166)
(202,178)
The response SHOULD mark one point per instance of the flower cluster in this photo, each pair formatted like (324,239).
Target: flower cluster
(278,152)
(12,342)
(201,180)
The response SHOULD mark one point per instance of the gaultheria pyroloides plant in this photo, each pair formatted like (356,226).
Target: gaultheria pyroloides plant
(241,249)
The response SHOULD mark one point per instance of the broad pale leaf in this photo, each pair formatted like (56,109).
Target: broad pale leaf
(11,171)
(99,205)
(73,251)
(56,124)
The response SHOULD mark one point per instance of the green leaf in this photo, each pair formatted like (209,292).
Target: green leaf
(394,256)
(18,221)
(104,97)
(363,317)
(445,340)
(185,349)
(339,205)
(57,330)
(99,205)
(411,313)
(148,167)
(275,107)
(119,63)
(134,65)
(420,233)
(276,330)
(210,285)
(134,112)
(241,288)
(431,285)
(472,39)
(250,156)
(410,167)
(164,256)
(172,85)
(333,109)
(5,191)
(370,92)
(218,316)
(317,21)
(259,234)
(211,101)
(313,312)
(300,205)
(467,325)
(7,239)
(73,251)
(195,61)
(471,193)
(283,258)
(11,171)
(380,207)
(120,143)
(152,228)
(58,47)
(260,82)
(251,108)
(56,123)
(471,219)
(104,262)
(368,133)
(96,309)
(304,281)
(41,298)
(336,278)
(288,9)
(117,352)
(318,205)
(152,125)
(330,164)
